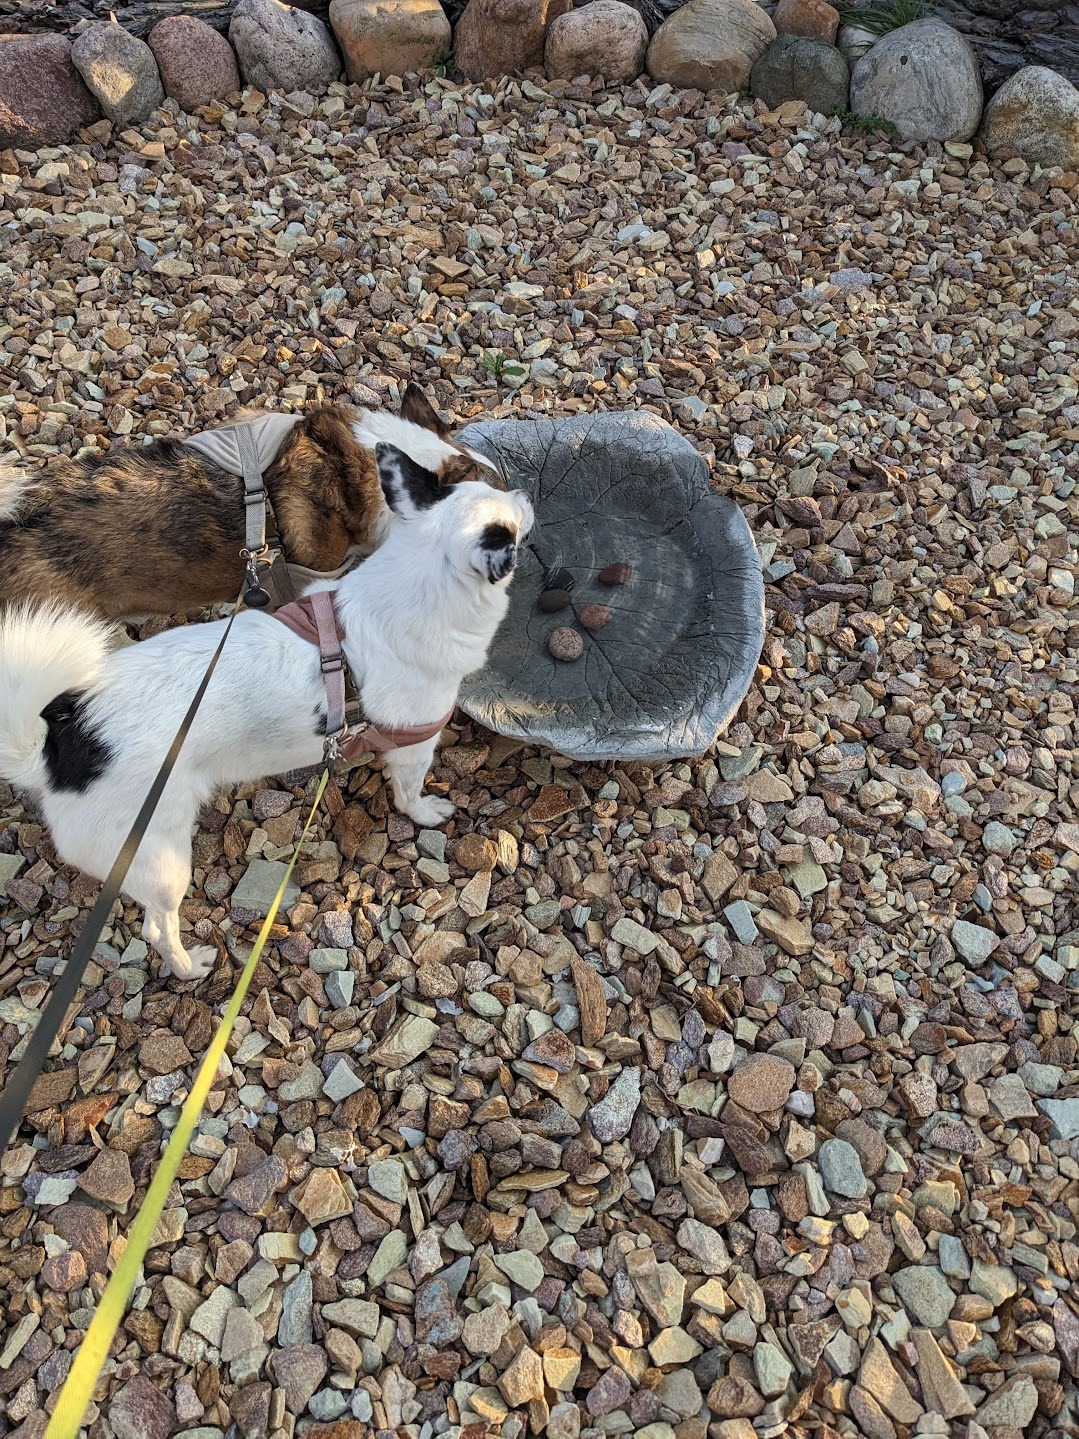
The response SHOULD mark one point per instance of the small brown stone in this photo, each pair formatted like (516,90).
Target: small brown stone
(474,852)
(64,1272)
(762,1083)
(591,1001)
(566,644)
(523,1379)
(594,617)
(163,1051)
(109,1178)
(616,574)
(553,1048)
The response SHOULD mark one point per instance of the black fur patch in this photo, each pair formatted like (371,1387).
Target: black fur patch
(499,546)
(398,471)
(75,754)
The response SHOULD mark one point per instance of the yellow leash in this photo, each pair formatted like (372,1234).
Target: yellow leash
(82,1378)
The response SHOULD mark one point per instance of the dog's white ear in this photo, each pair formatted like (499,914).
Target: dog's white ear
(409,488)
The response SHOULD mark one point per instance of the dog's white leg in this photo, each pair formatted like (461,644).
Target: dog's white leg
(193,963)
(408,769)
(159,879)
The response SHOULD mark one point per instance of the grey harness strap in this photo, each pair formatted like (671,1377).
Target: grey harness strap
(248,447)
(254,491)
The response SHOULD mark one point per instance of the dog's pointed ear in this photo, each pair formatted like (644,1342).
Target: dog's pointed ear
(418,410)
(409,488)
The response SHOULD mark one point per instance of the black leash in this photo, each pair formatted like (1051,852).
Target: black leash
(15,1095)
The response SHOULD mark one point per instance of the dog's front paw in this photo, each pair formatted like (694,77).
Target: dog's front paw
(197,963)
(430,811)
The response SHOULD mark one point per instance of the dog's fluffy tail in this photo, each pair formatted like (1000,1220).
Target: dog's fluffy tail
(45,650)
(13,486)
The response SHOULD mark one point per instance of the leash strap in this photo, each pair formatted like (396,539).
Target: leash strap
(83,1376)
(332,662)
(17,1092)
(255,548)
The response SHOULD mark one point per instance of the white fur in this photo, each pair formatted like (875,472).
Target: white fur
(43,652)
(13,487)
(420,614)
(379,427)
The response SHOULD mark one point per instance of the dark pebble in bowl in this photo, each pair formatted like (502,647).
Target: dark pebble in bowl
(552,600)
(566,644)
(594,617)
(561,579)
(616,574)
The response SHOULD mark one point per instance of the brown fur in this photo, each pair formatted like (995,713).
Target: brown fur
(156,530)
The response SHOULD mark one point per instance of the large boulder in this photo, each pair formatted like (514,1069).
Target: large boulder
(120,71)
(280,47)
(196,63)
(1037,111)
(811,19)
(42,97)
(796,69)
(389,37)
(503,37)
(710,45)
(922,77)
(605,38)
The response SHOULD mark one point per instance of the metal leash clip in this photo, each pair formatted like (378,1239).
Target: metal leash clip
(256,596)
(331,748)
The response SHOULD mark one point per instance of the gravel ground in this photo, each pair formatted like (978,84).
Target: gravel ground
(738,1097)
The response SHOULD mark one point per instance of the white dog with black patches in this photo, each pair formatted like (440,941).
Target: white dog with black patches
(85,727)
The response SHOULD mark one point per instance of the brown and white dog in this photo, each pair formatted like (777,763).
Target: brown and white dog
(158,529)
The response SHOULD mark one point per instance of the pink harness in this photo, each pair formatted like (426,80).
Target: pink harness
(314,619)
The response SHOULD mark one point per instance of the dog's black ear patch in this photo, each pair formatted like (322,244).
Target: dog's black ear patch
(75,754)
(418,410)
(408,487)
(498,546)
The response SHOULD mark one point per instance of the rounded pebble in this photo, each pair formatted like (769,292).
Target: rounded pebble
(594,617)
(616,574)
(566,644)
(551,601)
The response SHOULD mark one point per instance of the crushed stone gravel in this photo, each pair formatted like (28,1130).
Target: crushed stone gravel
(728,1098)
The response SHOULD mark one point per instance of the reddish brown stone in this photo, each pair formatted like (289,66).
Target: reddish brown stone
(552,802)
(42,97)
(503,37)
(594,617)
(813,19)
(64,1272)
(197,64)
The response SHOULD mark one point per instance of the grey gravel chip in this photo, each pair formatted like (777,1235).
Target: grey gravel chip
(665,676)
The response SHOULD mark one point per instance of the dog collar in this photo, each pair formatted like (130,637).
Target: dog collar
(314,618)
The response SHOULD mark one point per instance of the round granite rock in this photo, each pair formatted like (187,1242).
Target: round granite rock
(922,77)
(197,64)
(794,68)
(668,672)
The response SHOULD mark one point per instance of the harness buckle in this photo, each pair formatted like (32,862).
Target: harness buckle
(332,747)
(331,664)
